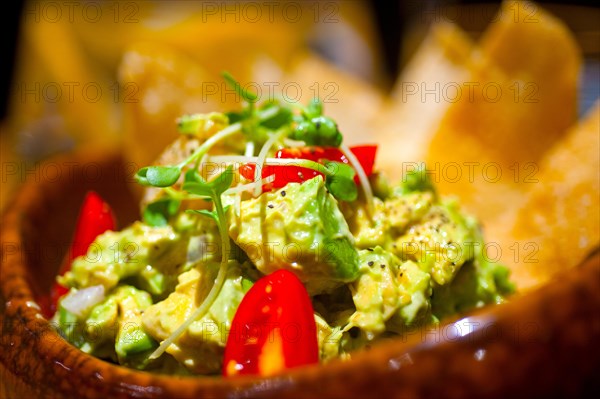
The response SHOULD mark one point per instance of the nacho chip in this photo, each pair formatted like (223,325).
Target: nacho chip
(558,223)
(512,108)
(416,110)
(162,85)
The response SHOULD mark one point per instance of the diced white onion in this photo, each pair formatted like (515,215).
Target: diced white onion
(83,300)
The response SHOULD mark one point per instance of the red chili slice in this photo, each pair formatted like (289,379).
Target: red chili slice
(95,217)
(285,174)
(366,156)
(273,328)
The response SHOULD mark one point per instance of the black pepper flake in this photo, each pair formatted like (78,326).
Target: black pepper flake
(283,193)
(270,206)
(370,249)
(382,266)
(401,274)
(318,124)
(371,263)
(354,332)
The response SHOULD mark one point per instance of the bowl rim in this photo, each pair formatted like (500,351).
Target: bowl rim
(398,363)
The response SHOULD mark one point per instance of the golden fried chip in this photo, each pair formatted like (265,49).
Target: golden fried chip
(159,85)
(558,223)
(509,112)
(540,53)
(416,109)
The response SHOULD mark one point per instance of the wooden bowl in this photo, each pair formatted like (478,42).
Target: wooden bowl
(543,344)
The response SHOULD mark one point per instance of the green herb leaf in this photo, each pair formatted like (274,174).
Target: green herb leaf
(198,123)
(283,117)
(189,124)
(214,215)
(245,94)
(415,180)
(327,132)
(211,214)
(159,212)
(195,184)
(158,176)
(340,181)
(235,117)
(314,108)
(141,178)
(192,176)
(222,182)
(202,189)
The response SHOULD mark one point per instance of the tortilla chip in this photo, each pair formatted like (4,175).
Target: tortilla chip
(491,139)
(162,85)
(413,115)
(558,223)
(537,50)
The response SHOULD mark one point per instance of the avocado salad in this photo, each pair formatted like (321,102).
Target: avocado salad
(243,195)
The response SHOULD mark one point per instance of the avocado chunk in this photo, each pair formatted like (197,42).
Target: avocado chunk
(387,288)
(404,210)
(200,347)
(112,328)
(328,338)
(441,242)
(147,256)
(133,344)
(299,228)
(479,282)
(369,229)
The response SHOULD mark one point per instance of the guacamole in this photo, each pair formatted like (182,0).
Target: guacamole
(376,258)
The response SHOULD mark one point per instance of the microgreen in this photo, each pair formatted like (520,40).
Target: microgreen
(340,182)
(158,176)
(416,180)
(282,118)
(159,212)
(195,184)
(196,123)
(248,96)
(339,177)
(315,129)
(314,108)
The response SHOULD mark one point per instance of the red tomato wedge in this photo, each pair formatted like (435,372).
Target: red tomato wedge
(366,156)
(273,329)
(285,174)
(95,217)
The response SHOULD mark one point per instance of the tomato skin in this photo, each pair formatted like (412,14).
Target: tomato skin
(285,174)
(95,217)
(366,156)
(273,328)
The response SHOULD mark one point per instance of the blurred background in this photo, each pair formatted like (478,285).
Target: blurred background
(116,74)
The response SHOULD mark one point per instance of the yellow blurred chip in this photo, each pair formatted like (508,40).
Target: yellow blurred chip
(558,222)
(509,110)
